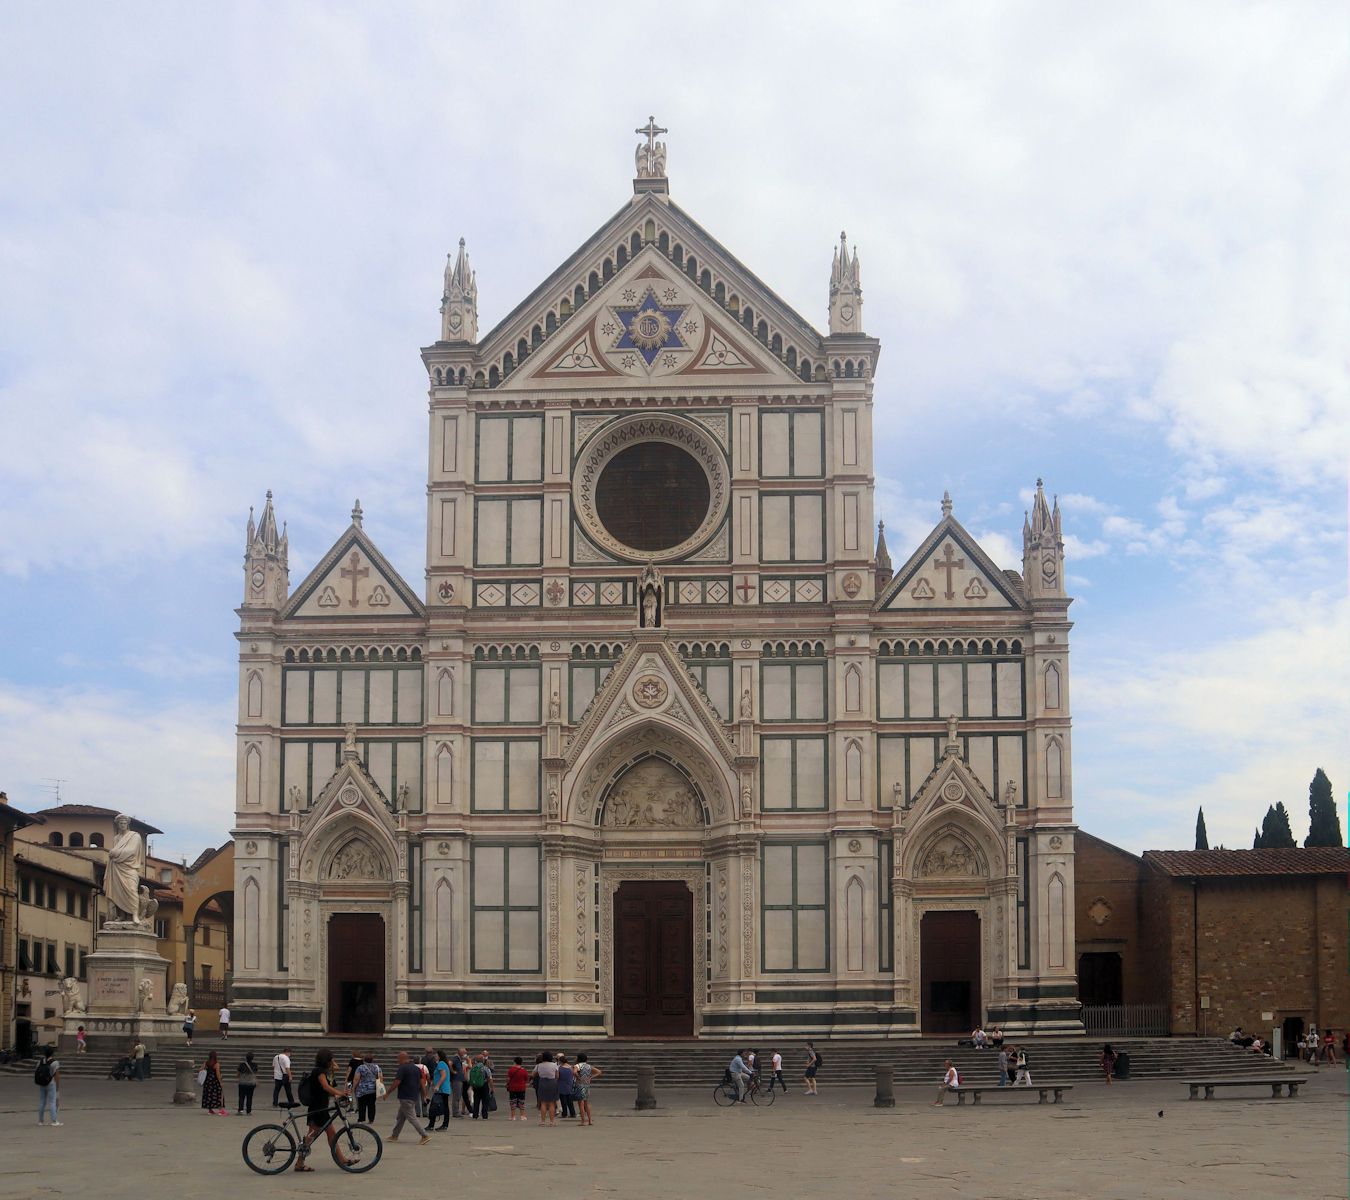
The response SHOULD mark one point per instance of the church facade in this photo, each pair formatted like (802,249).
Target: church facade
(662,747)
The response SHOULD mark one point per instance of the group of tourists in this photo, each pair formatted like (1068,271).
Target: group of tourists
(744,1069)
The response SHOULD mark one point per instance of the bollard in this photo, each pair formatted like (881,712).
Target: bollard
(185,1082)
(646,1087)
(885,1097)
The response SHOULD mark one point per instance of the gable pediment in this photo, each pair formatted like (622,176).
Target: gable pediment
(949,571)
(350,831)
(353,579)
(557,336)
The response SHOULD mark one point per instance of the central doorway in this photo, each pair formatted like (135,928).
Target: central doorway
(949,967)
(653,959)
(356,973)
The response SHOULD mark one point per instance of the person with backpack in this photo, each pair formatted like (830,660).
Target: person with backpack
(951,1078)
(281,1076)
(319,1094)
(47,1076)
(480,1080)
(813,1064)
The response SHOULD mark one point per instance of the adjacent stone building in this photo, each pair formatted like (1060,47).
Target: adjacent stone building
(11,819)
(661,746)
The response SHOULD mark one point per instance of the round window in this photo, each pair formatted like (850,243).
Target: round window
(652,496)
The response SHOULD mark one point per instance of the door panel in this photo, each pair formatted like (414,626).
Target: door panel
(949,971)
(356,973)
(653,959)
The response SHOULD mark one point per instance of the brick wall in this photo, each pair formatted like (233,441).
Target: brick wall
(1107,899)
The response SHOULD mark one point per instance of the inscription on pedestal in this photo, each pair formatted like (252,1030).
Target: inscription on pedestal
(112,990)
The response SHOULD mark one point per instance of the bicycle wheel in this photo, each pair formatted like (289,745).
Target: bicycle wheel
(724,1094)
(762,1095)
(360,1146)
(269,1149)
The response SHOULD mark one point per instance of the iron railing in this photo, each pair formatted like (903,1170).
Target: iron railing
(1127,1020)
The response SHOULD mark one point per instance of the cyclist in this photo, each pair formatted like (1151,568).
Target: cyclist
(322,1096)
(740,1076)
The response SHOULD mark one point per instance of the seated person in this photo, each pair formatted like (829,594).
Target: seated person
(979,1038)
(1257,1046)
(1236,1036)
(996,1037)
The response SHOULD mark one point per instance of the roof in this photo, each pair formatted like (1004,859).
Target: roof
(1308,860)
(1082,834)
(94,810)
(17,818)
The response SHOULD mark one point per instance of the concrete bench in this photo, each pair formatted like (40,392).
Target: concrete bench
(1292,1082)
(1043,1090)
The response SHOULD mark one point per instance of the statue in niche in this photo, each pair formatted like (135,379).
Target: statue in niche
(649,598)
(949,857)
(356,860)
(1010,795)
(747,705)
(652,795)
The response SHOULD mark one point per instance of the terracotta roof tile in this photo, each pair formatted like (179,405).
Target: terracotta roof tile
(1311,860)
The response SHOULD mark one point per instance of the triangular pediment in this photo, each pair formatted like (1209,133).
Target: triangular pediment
(648,683)
(353,579)
(952,786)
(349,833)
(647,247)
(949,571)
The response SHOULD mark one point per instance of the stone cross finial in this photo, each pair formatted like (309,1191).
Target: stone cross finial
(651,158)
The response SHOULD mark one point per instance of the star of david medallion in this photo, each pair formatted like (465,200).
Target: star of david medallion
(650,327)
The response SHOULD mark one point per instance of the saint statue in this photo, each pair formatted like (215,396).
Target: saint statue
(126,865)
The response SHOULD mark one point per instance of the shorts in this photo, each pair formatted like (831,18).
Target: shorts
(811,1071)
(318,1118)
(518,1100)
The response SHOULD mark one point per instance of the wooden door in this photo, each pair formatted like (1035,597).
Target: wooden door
(653,959)
(949,971)
(356,973)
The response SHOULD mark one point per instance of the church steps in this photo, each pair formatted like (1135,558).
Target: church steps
(700,1063)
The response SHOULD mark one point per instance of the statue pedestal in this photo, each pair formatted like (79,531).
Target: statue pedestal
(127,989)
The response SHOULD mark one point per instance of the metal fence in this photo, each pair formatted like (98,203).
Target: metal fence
(208,993)
(1127,1020)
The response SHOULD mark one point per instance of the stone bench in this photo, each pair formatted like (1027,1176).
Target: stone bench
(1043,1090)
(1275,1083)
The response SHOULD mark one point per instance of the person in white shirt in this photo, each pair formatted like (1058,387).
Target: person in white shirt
(225,1022)
(950,1079)
(778,1073)
(281,1077)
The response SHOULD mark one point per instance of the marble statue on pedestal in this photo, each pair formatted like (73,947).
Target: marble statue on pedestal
(71,1004)
(126,864)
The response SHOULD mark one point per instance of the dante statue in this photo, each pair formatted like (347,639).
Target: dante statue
(126,865)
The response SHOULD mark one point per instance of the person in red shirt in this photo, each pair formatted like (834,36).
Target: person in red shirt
(517,1080)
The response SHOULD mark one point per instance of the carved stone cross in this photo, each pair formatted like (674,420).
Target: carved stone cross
(359,572)
(949,564)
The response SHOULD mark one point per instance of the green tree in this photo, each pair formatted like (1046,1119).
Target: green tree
(1324,822)
(1201,833)
(1275,831)
(1256,840)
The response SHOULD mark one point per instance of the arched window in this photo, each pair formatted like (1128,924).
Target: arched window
(76,841)
(56,840)
(96,841)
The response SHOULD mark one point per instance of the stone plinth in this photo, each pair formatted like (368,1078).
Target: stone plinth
(127,988)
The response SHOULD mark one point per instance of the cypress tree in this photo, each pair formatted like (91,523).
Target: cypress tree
(1275,831)
(1201,833)
(1324,822)
(1256,840)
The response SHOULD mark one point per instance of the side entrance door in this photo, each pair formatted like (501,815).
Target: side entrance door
(356,973)
(949,969)
(653,959)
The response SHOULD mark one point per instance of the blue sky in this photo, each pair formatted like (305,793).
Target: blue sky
(1101,244)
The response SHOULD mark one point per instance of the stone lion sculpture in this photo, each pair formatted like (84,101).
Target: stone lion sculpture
(146,988)
(178,1000)
(71,1004)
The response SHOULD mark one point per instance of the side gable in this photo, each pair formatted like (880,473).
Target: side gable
(352,579)
(553,322)
(950,571)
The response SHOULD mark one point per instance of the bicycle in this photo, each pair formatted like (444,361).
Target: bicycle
(725,1094)
(271,1149)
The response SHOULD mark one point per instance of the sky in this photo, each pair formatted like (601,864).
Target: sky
(1102,244)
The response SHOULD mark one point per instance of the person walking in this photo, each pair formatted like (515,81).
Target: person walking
(813,1062)
(1329,1046)
(81,1046)
(213,1088)
(566,1088)
(281,1077)
(546,1077)
(950,1078)
(248,1083)
(428,1063)
(465,1089)
(1023,1070)
(224,1020)
(456,1085)
(319,1093)
(189,1023)
(409,1080)
(440,1093)
(480,1080)
(517,1080)
(366,1080)
(1108,1062)
(586,1075)
(47,1076)
(1002,1066)
(777,1061)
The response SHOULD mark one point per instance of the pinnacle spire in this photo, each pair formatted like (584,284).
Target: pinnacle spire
(845,289)
(459,300)
(267,526)
(884,570)
(946,503)
(357,514)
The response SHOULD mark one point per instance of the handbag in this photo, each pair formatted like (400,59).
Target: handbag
(201,1077)
(491,1100)
(380,1089)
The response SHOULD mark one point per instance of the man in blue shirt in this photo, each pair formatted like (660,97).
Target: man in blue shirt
(740,1076)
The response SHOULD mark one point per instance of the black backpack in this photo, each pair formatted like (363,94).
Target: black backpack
(820,1060)
(43,1075)
(306,1089)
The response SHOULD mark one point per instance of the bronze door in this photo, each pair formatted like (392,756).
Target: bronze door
(653,959)
(356,973)
(949,969)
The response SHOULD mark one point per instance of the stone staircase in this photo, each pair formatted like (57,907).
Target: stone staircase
(700,1063)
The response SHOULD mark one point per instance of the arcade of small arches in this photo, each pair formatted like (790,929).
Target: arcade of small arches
(76,840)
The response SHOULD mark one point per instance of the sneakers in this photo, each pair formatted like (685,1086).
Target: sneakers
(424,1141)
(56,1123)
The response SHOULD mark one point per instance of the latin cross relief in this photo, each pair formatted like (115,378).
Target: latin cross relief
(355,572)
(949,563)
